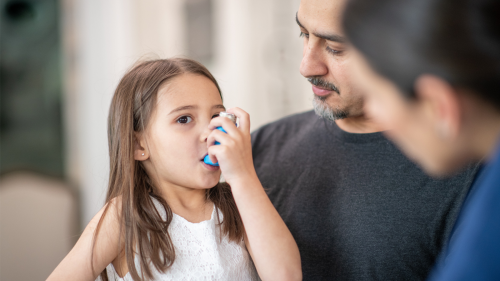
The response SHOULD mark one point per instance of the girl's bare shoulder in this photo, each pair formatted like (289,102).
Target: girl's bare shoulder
(94,250)
(109,217)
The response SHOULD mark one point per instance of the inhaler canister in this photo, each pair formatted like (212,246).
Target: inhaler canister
(231,117)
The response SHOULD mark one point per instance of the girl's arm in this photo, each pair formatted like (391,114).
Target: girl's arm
(76,265)
(269,242)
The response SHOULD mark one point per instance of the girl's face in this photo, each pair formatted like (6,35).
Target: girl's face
(175,138)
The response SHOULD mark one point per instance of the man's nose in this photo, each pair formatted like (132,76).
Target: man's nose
(313,63)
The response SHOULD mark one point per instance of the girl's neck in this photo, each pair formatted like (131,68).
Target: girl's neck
(191,204)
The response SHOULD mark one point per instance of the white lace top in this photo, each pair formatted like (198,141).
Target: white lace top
(200,254)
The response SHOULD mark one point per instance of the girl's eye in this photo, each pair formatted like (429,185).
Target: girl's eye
(215,115)
(302,34)
(184,119)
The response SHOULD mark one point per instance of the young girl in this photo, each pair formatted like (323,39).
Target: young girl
(167,216)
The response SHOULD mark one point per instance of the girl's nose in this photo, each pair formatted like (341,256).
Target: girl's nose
(204,134)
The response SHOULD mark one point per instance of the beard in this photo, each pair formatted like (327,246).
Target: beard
(320,106)
(325,111)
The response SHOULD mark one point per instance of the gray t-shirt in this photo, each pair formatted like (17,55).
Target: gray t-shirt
(357,207)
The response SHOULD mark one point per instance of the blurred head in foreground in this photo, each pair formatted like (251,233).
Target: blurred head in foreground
(430,73)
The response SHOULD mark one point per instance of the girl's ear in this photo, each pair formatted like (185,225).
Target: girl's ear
(442,103)
(140,151)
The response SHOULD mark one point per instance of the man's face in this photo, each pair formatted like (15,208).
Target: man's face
(326,59)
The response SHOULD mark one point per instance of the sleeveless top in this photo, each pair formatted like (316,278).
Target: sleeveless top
(200,253)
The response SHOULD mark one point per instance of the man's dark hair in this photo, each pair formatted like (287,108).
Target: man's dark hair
(457,40)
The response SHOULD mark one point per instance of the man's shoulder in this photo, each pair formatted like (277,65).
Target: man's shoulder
(287,125)
(284,134)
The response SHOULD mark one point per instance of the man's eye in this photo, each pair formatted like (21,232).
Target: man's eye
(184,119)
(215,115)
(332,51)
(302,34)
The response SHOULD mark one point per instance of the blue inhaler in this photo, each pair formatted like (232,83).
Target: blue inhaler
(231,117)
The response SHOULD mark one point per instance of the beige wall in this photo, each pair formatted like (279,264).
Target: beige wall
(256,60)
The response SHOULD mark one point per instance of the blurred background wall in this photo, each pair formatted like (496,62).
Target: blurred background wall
(60,61)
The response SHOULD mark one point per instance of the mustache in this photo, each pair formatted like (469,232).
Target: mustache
(316,81)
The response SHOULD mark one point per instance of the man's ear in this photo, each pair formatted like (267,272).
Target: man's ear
(442,102)
(140,148)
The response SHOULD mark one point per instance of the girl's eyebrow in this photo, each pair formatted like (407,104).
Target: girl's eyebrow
(184,107)
(219,106)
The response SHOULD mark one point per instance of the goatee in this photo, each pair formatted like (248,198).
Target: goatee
(323,110)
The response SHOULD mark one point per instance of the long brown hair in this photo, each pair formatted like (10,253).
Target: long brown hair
(141,226)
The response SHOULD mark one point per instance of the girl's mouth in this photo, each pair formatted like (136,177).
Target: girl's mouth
(209,167)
